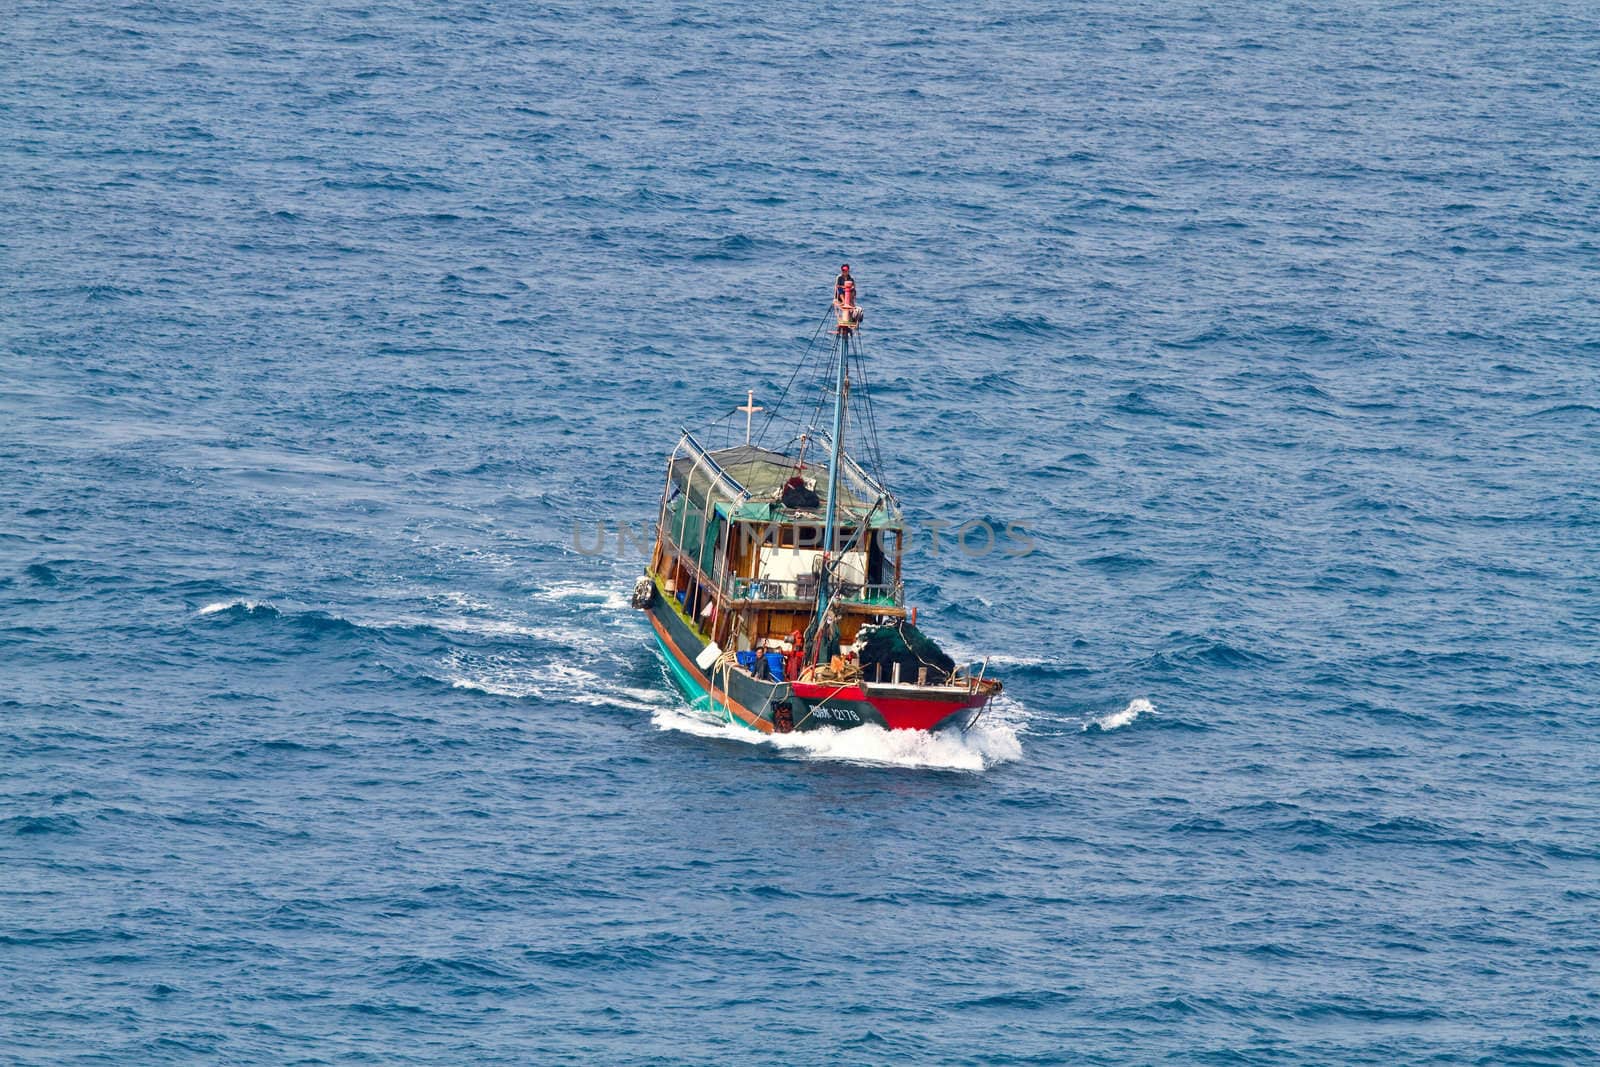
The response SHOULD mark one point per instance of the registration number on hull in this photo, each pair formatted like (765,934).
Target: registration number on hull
(835,715)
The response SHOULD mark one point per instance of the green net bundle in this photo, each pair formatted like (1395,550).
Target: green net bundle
(908,646)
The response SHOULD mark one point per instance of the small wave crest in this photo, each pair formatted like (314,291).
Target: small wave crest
(248,607)
(993,740)
(1118,719)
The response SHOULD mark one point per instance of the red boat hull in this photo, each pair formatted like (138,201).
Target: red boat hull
(896,711)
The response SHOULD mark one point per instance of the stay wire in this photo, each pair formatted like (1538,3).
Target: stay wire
(711,427)
(870,418)
(805,357)
(835,351)
(869,440)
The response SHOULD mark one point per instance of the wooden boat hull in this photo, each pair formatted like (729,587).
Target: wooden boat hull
(732,695)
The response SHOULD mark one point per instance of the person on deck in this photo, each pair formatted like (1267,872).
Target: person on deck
(844,297)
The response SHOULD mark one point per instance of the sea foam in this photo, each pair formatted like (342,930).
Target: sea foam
(992,740)
(1118,719)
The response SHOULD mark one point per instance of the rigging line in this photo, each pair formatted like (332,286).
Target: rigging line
(799,364)
(825,381)
(834,352)
(877,448)
(872,431)
(714,423)
(875,453)
(868,447)
(809,426)
(863,526)
(776,407)
(845,352)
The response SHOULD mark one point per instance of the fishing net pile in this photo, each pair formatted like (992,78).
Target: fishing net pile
(903,643)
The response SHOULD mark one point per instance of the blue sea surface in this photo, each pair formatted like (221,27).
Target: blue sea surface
(324,327)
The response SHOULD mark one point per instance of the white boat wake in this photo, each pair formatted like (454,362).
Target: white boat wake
(992,740)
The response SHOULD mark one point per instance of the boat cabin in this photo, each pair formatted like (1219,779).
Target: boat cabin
(740,545)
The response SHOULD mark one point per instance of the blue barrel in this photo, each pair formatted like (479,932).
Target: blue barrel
(775,665)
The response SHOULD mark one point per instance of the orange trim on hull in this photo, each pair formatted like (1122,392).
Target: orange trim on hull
(744,713)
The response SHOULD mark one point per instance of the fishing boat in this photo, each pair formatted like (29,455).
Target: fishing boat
(775,590)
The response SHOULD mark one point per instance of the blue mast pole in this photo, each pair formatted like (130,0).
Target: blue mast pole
(840,394)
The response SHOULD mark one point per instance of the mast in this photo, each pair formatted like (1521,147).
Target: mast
(840,395)
(830,515)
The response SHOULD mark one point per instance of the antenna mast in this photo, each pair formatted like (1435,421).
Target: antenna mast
(749,409)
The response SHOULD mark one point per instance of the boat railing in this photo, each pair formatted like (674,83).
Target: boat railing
(702,460)
(805,588)
(674,557)
(970,674)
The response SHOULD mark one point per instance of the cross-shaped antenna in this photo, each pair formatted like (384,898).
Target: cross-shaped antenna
(749,409)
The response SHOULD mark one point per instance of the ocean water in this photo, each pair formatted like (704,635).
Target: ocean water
(322,328)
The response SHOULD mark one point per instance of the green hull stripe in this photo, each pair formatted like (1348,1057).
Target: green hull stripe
(692,690)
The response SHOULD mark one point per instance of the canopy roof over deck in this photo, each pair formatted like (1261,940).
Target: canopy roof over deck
(745,483)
